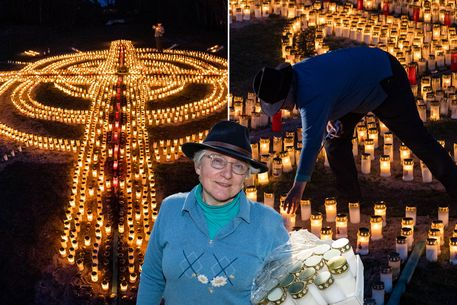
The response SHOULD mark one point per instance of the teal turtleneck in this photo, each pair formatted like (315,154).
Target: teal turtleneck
(217,216)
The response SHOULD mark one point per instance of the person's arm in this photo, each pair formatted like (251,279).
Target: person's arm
(152,280)
(314,117)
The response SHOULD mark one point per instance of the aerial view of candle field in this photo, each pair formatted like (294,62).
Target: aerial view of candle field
(402,224)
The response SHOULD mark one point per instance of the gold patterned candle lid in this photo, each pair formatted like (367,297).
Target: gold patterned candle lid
(338,265)
(401,239)
(315,261)
(320,250)
(342,245)
(287,281)
(307,275)
(277,296)
(324,280)
(298,290)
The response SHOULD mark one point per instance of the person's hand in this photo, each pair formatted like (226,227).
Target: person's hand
(292,201)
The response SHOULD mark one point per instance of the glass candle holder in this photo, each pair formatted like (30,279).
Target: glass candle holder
(330,209)
(394,262)
(369,148)
(376,227)
(453,250)
(316,223)
(339,268)
(386,278)
(362,134)
(407,222)
(408,233)
(277,144)
(411,211)
(389,151)
(262,178)
(377,292)
(251,193)
(354,212)
(363,241)
(443,214)
(405,153)
(305,209)
(435,233)
(341,225)
(401,247)
(438,224)
(326,233)
(269,199)
(365,166)
(374,135)
(388,138)
(384,166)
(408,169)
(277,167)
(426,173)
(345,248)
(431,250)
(328,289)
(380,209)
(286,162)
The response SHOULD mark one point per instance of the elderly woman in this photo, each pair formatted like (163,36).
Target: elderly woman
(207,245)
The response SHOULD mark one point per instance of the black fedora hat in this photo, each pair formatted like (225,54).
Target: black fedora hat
(228,138)
(271,85)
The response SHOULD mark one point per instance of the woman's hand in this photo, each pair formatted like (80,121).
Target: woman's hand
(293,198)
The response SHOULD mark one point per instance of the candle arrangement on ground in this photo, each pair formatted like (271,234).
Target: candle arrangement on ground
(113,201)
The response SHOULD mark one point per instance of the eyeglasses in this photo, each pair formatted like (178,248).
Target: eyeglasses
(218,162)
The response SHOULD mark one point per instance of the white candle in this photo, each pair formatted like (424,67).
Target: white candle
(365,164)
(330,209)
(377,293)
(401,247)
(435,233)
(361,134)
(316,223)
(354,212)
(269,199)
(408,169)
(384,166)
(438,224)
(407,222)
(434,111)
(388,138)
(453,250)
(426,174)
(431,250)
(408,233)
(363,240)
(264,146)
(373,135)
(443,214)
(410,211)
(346,250)
(277,168)
(286,162)
(255,151)
(277,144)
(341,225)
(326,233)
(405,153)
(305,209)
(380,209)
(262,178)
(339,268)
(328,289)
(389,151)
(386,278)
(394,262)
(369,148)
(376,227)
(251,193)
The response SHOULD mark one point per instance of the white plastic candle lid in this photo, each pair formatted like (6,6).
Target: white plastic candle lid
(322,277)
(320,250)
(313,261)
(340,243)
(275,294)
(331,253)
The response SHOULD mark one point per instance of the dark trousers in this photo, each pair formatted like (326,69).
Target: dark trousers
(159,44)
(399,113)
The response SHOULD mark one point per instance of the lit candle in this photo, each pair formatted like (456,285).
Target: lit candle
(363,241)
(408,233)
(277,144)
(443,214)
(286,162)
(405,153)
(376,227)
(408,169)
(435,233)
(401,247)
(434,111)
(326,233)
(386,278)
(394,262)
(438,224)
(277,168)
(407,222)
(264,146)
(384,166)
(373,135)
(431,250)
(369,148)
(380,209)
(251,193)
(262,178)
(377,292)
(361,133)
(305,209)
(269,199)
(389,151)
(354,212)
(355,147)
(316,223)
(388,138)
(341,225)
(365,164)
(330,209)
(426,174)
(411,211)
(453,250)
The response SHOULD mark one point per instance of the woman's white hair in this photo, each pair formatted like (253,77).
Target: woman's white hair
(199,155)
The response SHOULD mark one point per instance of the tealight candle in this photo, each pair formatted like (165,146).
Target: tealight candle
(401,247)
(431,250)
(305,209)
(330,209)
(386,278)
(316,223)
(286,162)
(443,214)
(408,169)
(326,233)
(453,250)
(380,209)
(389,151)
(426,173)
(365,166)
(377,293)
(394,263)
(376,227)
(411,211)
(354,212)
(384,166)
(361,133)
(363,240)
(341,225)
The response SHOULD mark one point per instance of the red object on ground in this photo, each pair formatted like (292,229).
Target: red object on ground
(360,5)
(412,74)
(447,19)
(276,123)
(454,61)
(416,13)
(385,8)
